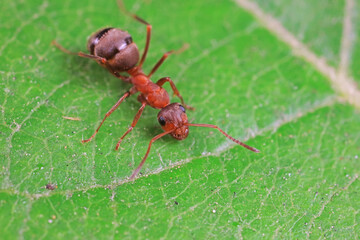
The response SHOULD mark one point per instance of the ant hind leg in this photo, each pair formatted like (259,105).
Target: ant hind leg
(133,124)
(148,30)
(127,94)
(81,54)
(96,58)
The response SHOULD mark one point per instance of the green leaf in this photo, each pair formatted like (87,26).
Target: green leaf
(239,73)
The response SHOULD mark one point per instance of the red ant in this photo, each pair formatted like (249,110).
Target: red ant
(115,50)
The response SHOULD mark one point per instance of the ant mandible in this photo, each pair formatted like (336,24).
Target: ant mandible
(115,50)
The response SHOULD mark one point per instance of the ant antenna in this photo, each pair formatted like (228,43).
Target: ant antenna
(226,135)
(137,170)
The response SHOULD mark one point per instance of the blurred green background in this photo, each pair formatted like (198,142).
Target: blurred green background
(236,73)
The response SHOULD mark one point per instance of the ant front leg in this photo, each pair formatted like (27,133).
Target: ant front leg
(127,94)
(133,124)
(161,82)
(100,60)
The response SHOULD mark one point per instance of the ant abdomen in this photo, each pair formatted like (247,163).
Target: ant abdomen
(116,46)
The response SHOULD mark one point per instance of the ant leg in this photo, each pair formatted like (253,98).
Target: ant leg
(107,65)
(137,170)
(81,54)
(126,79)
(161,82)
(148,30)
(127,94)
(133,124)
(96,58)
(162,59)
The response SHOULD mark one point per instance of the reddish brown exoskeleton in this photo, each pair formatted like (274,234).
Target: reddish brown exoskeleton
(115,50)
(174,121)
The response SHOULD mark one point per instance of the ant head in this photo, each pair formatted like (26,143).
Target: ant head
(116,46)
(173,117)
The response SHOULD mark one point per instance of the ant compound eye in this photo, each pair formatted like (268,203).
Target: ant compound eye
(182,108)
(128,40)
(162,121)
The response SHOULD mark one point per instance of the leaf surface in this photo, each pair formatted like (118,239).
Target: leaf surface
(237,73)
